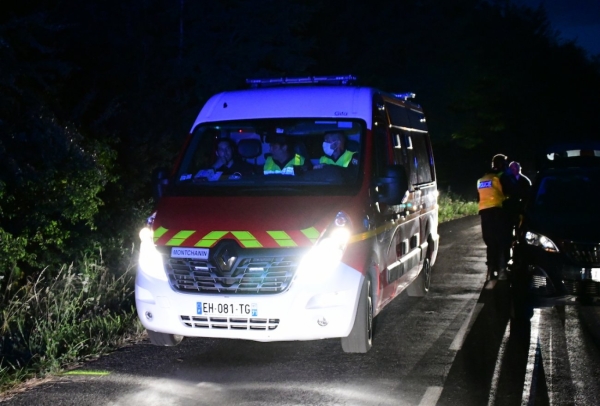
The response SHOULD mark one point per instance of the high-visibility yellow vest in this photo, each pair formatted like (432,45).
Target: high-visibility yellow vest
(344,159)
(271,168)
(490,191)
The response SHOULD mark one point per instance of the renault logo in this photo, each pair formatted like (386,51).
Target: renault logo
(226,260)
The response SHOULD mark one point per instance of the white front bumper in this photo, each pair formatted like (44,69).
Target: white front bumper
(308,310)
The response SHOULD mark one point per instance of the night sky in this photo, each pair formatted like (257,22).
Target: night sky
(575,20)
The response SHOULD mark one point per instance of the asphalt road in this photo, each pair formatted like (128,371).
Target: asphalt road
(453,347)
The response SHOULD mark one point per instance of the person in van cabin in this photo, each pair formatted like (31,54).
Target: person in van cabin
(227,160)
(283,160)
(493,189)
(334,147)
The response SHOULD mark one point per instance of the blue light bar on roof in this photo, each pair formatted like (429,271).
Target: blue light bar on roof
(405,96)
(331,80)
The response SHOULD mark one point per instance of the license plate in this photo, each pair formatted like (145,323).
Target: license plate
(193,253)
(227,309)
(596,274)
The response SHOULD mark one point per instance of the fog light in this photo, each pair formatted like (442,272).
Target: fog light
(148,316)
(322,322)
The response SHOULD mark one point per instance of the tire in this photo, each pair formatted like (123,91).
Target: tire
(360,339)
(521,310)
(420,287)
(164,339)
(586,301)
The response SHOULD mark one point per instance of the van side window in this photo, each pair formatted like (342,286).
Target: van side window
(416,120)
(398,115)
(403,152)
(411,158)
(409,125)
(380,138)
(421,150)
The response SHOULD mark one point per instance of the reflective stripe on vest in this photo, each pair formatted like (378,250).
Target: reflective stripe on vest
(271,168)
(344,159)
(490,191)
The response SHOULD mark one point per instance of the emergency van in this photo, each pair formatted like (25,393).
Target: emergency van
(313,252)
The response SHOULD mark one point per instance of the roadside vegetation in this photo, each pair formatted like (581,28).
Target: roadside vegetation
(453,206)
(84,310)
(65,317)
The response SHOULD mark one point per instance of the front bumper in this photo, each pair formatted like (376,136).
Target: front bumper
(550,279)
(310,309)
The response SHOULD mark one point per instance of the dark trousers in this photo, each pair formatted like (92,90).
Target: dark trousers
(495,228)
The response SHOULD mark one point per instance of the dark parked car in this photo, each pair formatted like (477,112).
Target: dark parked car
(556,257)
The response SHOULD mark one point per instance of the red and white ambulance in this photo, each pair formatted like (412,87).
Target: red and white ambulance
(313,252)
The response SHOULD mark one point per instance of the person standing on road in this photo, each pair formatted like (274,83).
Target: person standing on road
(493,189)
(516,202)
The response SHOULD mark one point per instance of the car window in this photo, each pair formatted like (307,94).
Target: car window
(561,196)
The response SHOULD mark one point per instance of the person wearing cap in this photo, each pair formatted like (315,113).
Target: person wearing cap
(493,189)
(283,160)
(334,147)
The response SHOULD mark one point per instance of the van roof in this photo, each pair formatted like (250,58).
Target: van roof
(347,102)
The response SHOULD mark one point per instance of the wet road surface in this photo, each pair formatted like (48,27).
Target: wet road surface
(453,347)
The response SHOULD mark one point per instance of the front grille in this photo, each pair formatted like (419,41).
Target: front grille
(582,253)
(252,275)
(582,288)
(573,287)
(541,285)
(229,323)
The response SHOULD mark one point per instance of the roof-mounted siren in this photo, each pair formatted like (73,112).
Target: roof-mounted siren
(405,96)
(306,80)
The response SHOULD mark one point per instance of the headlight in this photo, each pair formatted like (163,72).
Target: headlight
(150,261)
(540,241)
(327,253)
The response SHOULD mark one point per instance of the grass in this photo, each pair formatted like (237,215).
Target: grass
(78,313)
(55,321)
(452,206)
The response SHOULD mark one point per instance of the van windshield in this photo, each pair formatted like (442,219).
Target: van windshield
(272,157)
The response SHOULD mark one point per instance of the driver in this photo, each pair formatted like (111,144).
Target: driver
(227,162)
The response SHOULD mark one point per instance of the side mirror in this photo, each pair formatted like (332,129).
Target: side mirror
(160,180)
(392,188)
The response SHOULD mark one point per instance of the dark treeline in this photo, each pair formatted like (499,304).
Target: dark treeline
(95,94)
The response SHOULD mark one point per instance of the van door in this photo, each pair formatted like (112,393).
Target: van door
(407,239)
(384,216)
(425,171)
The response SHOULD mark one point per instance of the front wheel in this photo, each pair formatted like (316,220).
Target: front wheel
(360,338)
(164,339)
(422,284)
(521,309)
